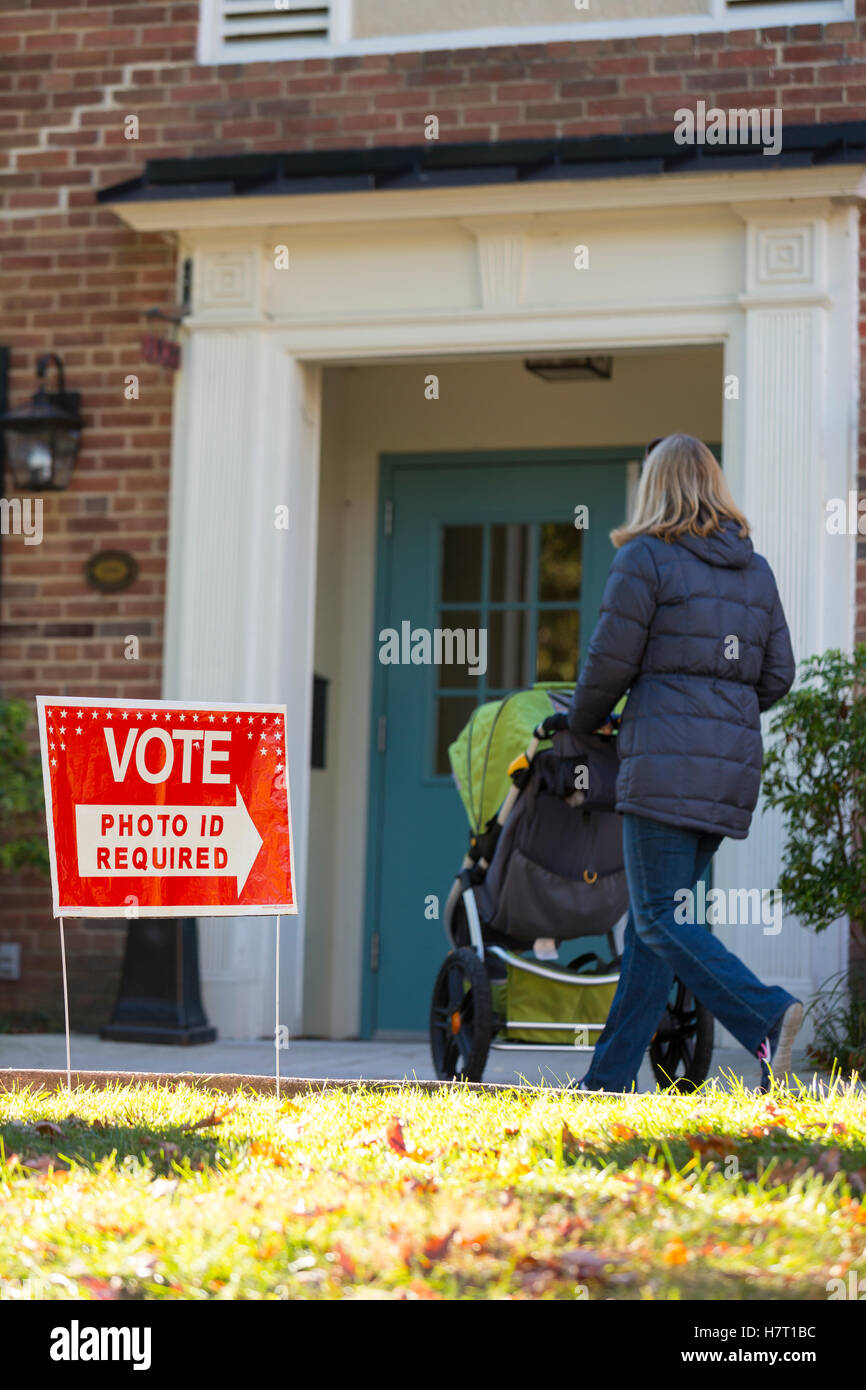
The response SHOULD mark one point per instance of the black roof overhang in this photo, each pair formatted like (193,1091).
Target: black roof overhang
(432,165)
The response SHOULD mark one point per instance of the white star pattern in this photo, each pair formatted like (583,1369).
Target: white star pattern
(195,719)
(249,735)
(63,714)
(78,730)
(80,714)
(153,716)
(225,719)
(63,728)
(125,714)
(210,719)
(182,718)
(108,714)
(53,762)
(93,714)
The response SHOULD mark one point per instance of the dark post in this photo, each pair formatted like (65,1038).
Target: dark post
(159,999)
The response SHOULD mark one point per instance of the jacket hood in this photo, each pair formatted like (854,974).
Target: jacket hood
(724,548)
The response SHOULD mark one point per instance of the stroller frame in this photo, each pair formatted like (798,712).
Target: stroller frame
(680,1050)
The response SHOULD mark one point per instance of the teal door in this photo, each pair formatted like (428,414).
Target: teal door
(490,550)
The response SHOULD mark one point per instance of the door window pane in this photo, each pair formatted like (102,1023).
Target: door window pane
(509,563)
(559,562)
(507,649)
(452,713)
(461,564)
(456,648)
(558,635)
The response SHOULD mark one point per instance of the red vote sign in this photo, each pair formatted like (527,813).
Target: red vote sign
(158,809)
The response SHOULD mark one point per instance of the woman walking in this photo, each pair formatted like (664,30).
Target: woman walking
(692,626)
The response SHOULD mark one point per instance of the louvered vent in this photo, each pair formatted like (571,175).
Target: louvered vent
(285,22)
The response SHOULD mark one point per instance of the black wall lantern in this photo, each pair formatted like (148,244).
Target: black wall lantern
(42,437)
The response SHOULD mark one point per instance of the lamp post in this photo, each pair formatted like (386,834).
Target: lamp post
(42,437)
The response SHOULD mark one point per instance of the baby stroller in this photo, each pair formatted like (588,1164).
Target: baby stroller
(544,867)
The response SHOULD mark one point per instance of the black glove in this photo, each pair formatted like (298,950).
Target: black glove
(553,724)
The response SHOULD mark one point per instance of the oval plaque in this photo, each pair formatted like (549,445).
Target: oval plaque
(110,571)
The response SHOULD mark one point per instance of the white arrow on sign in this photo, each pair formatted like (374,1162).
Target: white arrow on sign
(167,841)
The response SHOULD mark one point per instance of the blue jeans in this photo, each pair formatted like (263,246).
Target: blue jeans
(659,860)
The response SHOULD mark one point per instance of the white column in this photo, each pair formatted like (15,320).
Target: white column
(240,607)
(787,448)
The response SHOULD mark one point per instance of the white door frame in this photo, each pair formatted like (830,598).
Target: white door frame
(241,604)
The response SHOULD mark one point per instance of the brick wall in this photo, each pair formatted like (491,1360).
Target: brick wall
(75,280)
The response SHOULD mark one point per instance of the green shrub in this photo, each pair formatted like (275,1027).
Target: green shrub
(22,839)
(815,772)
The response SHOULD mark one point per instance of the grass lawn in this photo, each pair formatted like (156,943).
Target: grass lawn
(176,1193)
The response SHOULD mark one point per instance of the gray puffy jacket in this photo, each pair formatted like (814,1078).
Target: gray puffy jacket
(690,741)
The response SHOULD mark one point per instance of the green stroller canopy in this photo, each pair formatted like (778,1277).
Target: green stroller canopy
(496,734)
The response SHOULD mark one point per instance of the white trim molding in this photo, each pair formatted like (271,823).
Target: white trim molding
(720,16)
(216,215)
(771,279)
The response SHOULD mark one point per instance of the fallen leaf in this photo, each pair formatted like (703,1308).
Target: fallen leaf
(44,1163)
(397,1142)
(675,1253)
(263,1148)
(437,1246)
(214,1118)
(345,1261)
(48,1127)
(714,1247)
(567,1228)
(472,1242)
(787,1170)
(395,1137)
(569,1143)
(622,1132)
(716,1145)
(421,1185)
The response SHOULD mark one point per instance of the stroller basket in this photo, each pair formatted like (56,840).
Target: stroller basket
(544,1005)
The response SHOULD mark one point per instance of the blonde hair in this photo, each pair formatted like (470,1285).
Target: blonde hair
(682,490)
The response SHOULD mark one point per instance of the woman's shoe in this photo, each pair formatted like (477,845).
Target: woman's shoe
(775,1051)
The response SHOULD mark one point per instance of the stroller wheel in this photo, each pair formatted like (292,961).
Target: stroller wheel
(681,1051)
(461,1017)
